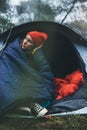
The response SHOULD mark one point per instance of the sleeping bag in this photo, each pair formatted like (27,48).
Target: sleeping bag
(24,77)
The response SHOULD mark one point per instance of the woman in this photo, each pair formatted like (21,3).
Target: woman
(32,43)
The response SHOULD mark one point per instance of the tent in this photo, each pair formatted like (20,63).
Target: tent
(66,52)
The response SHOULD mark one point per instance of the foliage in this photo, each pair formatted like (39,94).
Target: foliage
(35,10)
(3,6)
(5,19)
(38,10)
(5,24)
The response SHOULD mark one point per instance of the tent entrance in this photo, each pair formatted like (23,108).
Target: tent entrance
(62,55)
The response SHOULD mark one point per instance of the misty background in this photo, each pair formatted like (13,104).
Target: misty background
(71,13)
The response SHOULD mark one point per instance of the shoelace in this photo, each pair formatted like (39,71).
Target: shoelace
(37,107)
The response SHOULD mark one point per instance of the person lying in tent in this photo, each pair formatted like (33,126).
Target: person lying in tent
(26,74)
(32,44)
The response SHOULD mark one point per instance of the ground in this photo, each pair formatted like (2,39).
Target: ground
(74,122)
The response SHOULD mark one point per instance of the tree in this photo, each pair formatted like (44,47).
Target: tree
(5,24)
(45,12)
(69,10)
(5,17)
(3,6)
(35,10)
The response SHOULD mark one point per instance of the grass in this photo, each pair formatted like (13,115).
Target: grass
(75,122)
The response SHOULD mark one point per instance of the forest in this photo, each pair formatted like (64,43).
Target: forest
(62,11)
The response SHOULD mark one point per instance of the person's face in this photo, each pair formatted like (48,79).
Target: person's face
(27,43)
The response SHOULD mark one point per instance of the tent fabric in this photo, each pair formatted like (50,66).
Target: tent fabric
(64,50)
(18,79)
(83,52)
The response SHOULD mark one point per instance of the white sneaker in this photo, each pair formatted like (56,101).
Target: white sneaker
(38,110)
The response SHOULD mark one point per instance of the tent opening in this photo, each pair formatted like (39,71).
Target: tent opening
(62,55)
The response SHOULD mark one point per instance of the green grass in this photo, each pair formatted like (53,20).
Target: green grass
(74,122)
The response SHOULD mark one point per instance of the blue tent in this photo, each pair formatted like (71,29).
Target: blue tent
(66,52)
